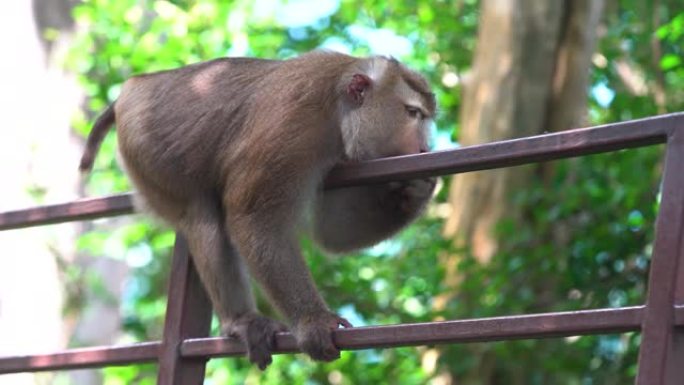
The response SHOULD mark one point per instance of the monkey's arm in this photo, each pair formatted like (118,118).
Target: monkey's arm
(261,216)
(352,218)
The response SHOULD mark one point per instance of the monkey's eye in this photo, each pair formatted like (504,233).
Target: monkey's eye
(415,112)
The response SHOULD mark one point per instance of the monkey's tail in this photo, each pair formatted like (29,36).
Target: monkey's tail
(97,134)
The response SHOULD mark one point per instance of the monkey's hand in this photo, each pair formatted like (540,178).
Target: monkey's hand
(410,197)
(258,334)
(314,335)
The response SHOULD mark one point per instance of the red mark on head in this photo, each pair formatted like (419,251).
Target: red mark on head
(357,87)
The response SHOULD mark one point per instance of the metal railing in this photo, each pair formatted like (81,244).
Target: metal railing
(185,348)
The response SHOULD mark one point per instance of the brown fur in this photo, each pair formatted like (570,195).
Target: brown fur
(232,152)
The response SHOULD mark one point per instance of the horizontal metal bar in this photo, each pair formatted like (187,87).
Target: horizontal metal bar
(68,212)
(82,358)
(585,322)
(679,315)
(565,144)
(515,152)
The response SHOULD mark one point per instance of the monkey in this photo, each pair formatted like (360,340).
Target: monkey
(233,153)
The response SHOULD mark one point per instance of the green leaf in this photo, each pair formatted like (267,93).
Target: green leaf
(670,61)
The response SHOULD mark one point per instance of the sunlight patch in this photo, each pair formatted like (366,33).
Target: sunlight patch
(382,41)
(388,247)
(300,13)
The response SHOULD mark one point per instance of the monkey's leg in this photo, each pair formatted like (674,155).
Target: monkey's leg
(267,240)
(355,217)
(225,278)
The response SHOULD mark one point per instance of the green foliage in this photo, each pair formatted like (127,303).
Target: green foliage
(671,34)
(584,241)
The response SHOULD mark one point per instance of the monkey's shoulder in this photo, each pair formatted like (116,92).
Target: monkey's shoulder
(219,66)
(214,77)
(314,61)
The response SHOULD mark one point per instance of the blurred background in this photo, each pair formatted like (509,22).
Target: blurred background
(564,235)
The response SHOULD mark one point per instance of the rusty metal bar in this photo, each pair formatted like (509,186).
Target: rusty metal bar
(565,144)
(507,153)
(188,315)
(616,320)
(82,358)
(679,311)
(82,209)
(656,357)
(563,324)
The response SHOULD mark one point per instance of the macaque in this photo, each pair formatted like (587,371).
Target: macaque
(233,152)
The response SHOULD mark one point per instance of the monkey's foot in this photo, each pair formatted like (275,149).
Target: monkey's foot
(258,334)
(314,336)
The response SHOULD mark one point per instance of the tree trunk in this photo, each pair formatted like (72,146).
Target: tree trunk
(36,151)
(39,164)
(529,76)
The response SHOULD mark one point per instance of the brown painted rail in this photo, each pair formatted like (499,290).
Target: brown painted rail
(586,322)
(565,324)
(183,352)
(507,153)
(82,358)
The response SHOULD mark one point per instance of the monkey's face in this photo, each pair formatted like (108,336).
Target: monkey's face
(408,120)
(392,114)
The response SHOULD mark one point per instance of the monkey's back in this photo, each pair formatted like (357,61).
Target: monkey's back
(172,124)
(193,132)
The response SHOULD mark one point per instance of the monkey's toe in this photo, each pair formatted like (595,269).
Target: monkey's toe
(341,321)
(258,334)
(318,344)
(315,336)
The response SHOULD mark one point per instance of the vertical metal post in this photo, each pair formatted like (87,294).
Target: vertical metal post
(188,315)
(661,357)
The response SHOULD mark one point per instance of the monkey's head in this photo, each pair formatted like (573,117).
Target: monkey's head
(388,110)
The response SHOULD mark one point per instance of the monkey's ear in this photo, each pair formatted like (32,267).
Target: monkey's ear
(357,87)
